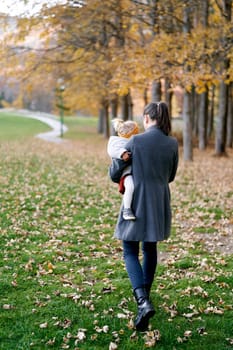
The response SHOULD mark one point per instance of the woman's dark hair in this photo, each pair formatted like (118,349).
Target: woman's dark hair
(159,112)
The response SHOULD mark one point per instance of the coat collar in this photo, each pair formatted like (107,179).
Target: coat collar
(151,128)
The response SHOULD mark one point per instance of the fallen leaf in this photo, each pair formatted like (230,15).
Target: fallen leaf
(113,346)
(187,333)
(119,315)
(151,338)
(44,325)
(81,335)
(7,306)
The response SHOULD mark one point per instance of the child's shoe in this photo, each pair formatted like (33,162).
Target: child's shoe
(128,214)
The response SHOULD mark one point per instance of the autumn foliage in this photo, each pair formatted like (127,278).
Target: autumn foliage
(104,51)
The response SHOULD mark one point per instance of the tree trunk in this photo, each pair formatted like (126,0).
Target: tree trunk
(204,97)
(168,95)
(187,100)
(106,120)
(204,13)
(156,92)
(220,141)
(124,107)
(100,127)
(130,106)
(202,120)
(127,107)
(114,107)
(145,96)
(210,123)
(114,110)
(230,117)
(187,127)
(103,123)
(194,111)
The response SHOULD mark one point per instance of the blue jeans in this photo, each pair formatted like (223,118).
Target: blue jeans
(140,274)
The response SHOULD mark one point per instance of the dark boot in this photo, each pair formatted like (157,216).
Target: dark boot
(147,289)
(145,309)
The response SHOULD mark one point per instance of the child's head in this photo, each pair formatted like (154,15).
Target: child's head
(125,128)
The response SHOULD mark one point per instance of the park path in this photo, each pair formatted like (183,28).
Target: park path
(51,120)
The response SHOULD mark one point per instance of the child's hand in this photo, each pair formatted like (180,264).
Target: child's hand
(126,156)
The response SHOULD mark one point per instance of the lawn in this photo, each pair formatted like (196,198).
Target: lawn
(62,279)
(18,128)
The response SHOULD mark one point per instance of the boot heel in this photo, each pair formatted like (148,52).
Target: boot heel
(145,310)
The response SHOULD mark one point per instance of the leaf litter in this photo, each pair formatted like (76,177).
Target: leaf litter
(53,205)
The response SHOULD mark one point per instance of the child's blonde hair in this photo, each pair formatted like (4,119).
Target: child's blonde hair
(125,128)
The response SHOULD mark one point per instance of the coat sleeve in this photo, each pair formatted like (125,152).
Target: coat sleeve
(175,165)
(129,144)
(116,169)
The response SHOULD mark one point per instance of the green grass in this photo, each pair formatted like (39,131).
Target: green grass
(63,283)
(14,127)
(78,127)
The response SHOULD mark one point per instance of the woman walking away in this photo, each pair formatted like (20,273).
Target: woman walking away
(154,165)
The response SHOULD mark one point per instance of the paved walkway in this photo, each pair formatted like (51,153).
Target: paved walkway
(51,120)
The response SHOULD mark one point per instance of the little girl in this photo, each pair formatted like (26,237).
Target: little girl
(116,149)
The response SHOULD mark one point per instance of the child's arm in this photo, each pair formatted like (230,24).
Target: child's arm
(115,147)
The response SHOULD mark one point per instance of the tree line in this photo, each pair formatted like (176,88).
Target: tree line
(104,50)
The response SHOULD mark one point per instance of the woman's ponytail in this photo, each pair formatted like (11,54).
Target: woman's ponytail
(159,112)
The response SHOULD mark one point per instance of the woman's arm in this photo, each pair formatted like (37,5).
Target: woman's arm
(129,145)
(175,164)
(116,169)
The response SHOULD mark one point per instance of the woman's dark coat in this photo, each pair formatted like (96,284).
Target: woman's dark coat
(154,165)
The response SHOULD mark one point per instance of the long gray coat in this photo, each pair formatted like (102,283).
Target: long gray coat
(154,165)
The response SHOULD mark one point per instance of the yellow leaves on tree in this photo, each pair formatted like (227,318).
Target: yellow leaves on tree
(109,47)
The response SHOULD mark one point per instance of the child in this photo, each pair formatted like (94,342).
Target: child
(116,149)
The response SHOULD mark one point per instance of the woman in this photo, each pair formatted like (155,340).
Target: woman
(154,165)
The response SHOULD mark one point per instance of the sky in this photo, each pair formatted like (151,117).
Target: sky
(19,7)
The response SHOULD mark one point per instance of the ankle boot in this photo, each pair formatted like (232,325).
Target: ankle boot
(145,309)
(147,289)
